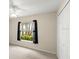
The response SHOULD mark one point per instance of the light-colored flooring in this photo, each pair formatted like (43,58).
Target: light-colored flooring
(16,52)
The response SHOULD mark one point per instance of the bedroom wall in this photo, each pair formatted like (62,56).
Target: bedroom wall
(46,32)
(63,39)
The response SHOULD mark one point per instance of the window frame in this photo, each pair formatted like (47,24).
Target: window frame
(35,32)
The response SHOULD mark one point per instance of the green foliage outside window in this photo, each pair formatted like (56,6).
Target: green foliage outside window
(27,37)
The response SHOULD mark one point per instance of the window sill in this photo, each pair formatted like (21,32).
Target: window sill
(27,41)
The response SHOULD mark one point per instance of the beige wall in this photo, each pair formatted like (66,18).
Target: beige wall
(46,32)
(63,39)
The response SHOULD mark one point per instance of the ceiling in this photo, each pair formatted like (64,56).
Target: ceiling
(31,7)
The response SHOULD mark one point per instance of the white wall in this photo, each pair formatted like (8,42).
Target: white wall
(46,32)
(63,40)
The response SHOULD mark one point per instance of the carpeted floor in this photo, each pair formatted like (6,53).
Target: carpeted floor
(16,52)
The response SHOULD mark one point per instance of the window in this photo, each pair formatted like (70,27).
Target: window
(28,31)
